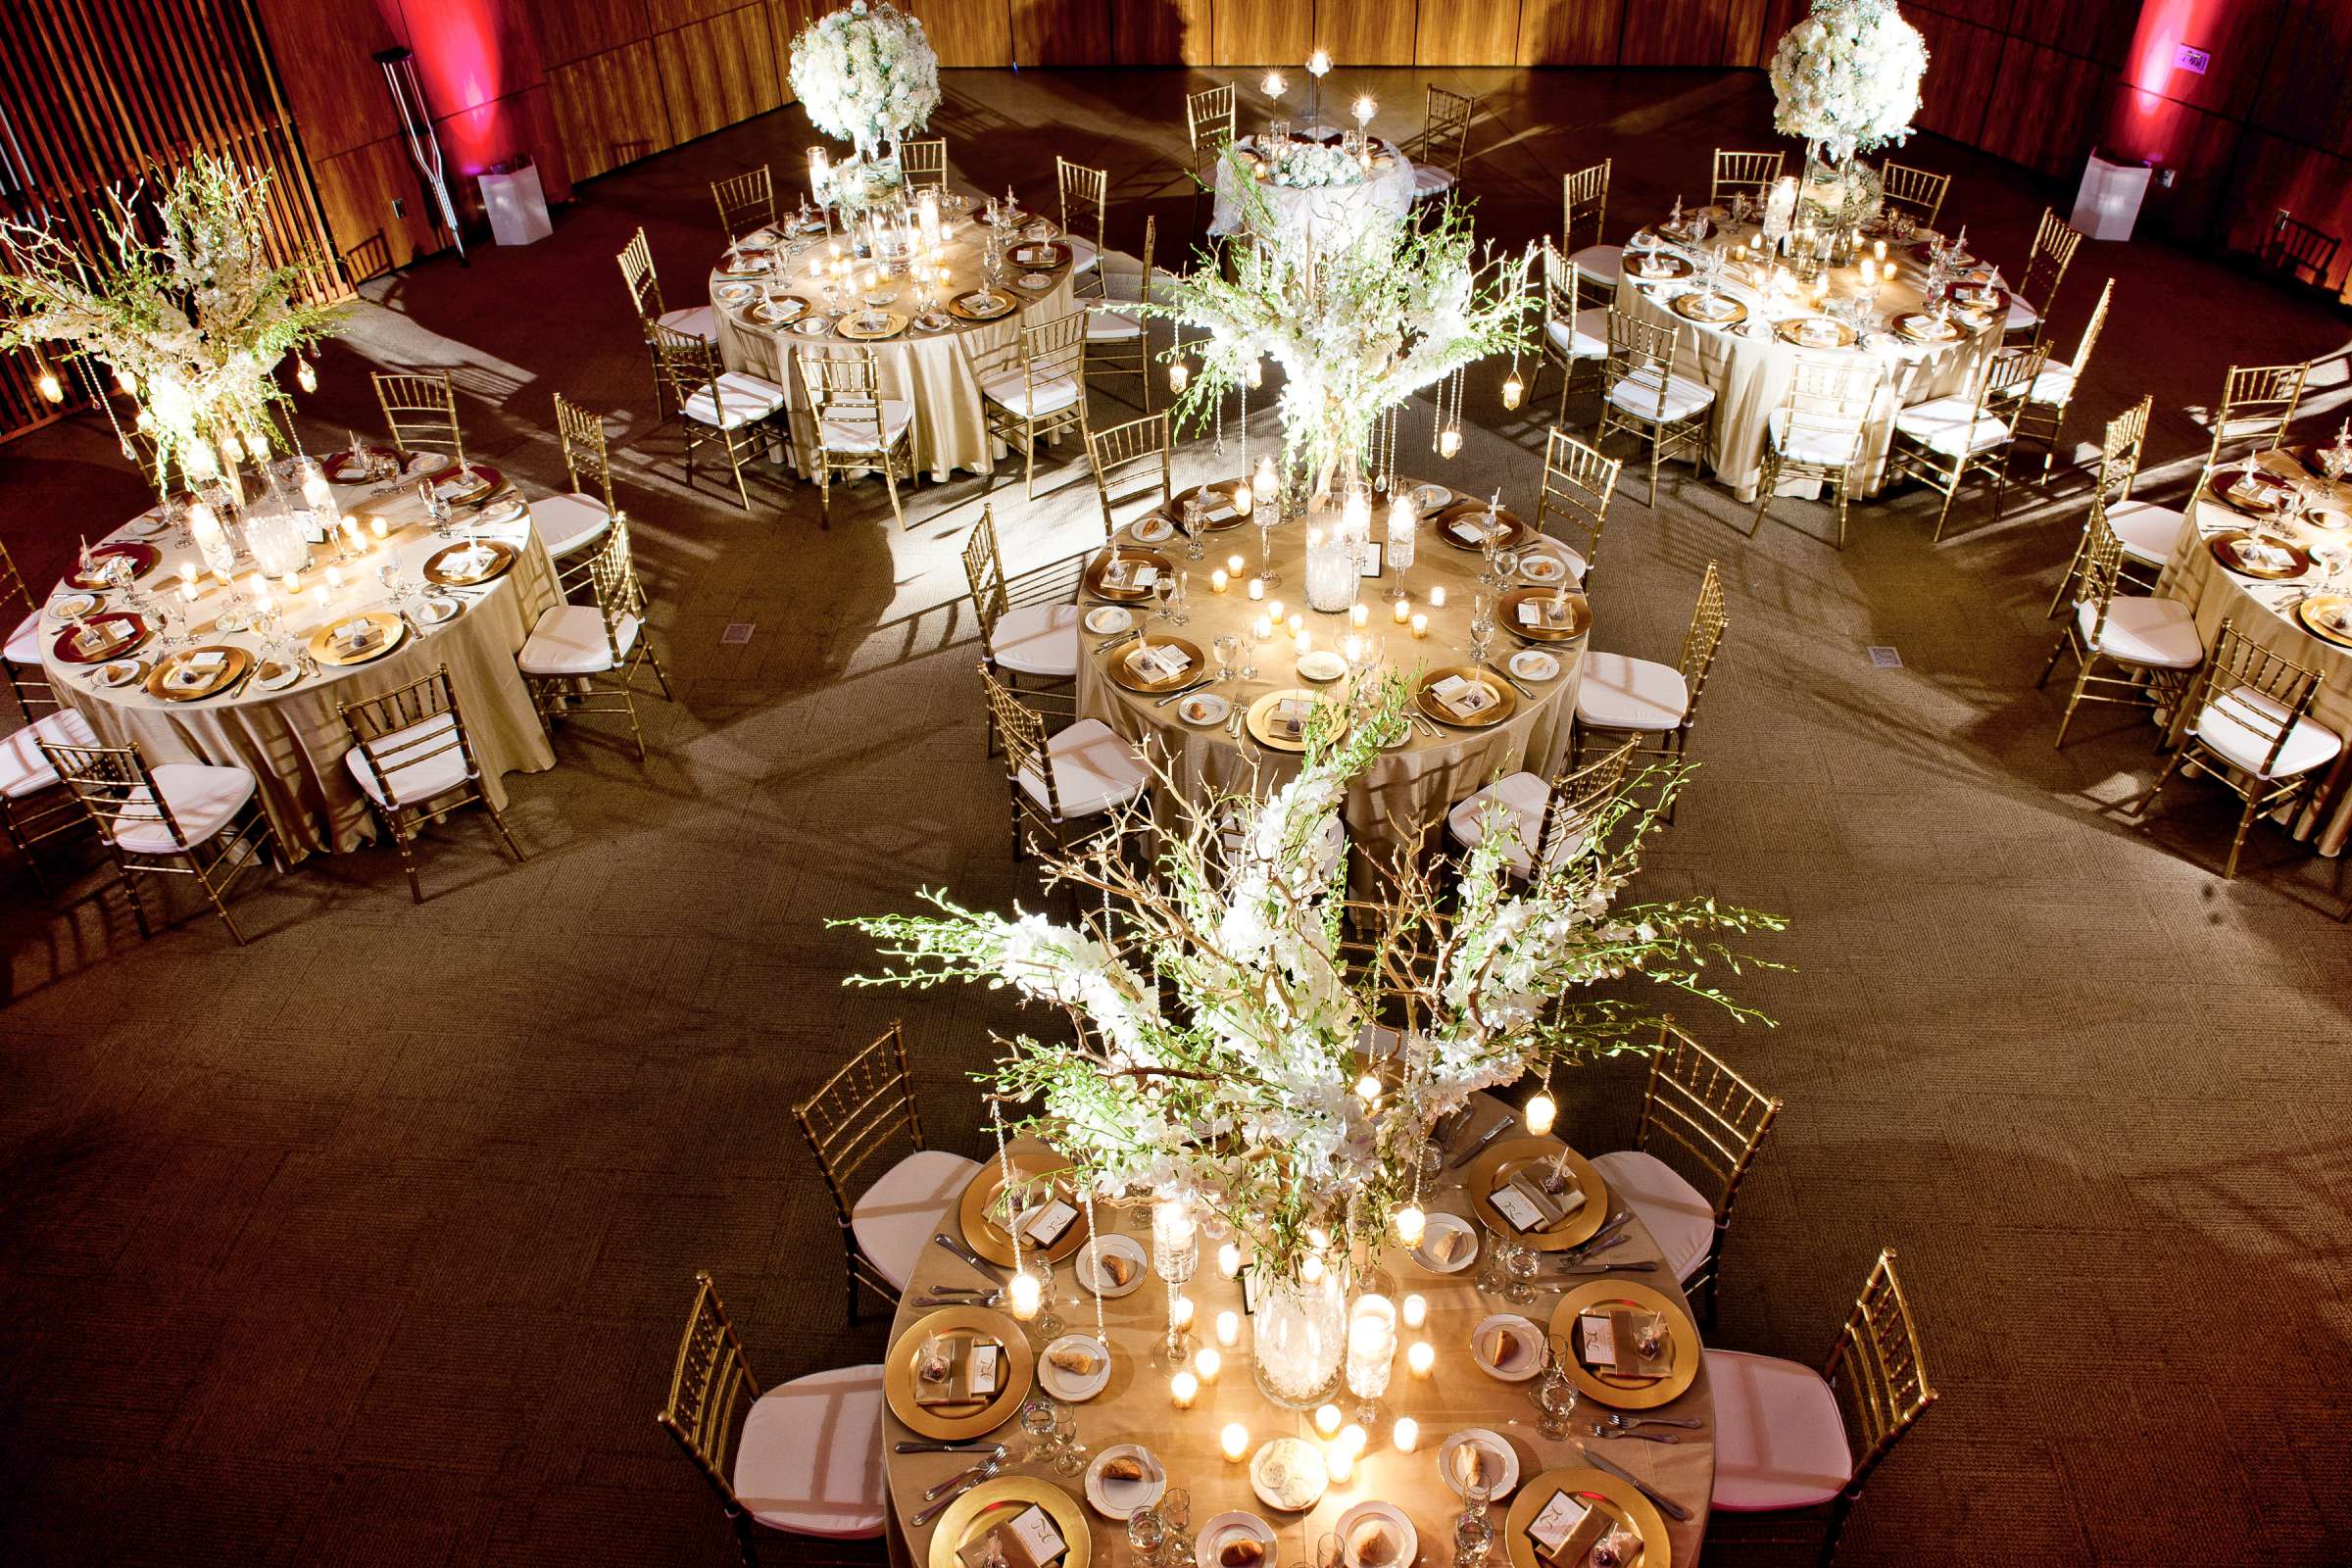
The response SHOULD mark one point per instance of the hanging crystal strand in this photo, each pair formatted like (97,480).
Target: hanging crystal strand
(1094,1239)
(996,1116)
(1244,427)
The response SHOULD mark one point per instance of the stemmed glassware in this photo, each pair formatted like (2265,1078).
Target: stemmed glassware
(1148,1535)
(1556,1390)
(1267,515)
(1195,513)
(1481,633)
(1176,1515)
(1175,1254)
(1474,1529)
(1225,648)
(1069,1454)
(1049,1324)
(172,622)
(1037,1425)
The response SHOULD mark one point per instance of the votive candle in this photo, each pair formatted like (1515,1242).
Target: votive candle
(1437,597)
(1302,642)
(1229,1262)
(1208,1363)
(1407,1434)
(1328,1419)
(1235,1441)
(1340,1464)
(1180,1313)
(1183,1389)
(1023,1295)
(1420,627)
(1217,581)
(1262,628)
(1229,1329)
(381,530)
(1274,608)
(1404,611)
(1257,587)
(1414,1308)
(1296,623)
(1359,615)
(1353,1439)
(1420,1357)
(1234,565)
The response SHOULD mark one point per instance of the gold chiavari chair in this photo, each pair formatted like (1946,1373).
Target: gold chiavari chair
(187,819)
(1576,335)
(1917,191)
(1131,469)
(569,525)
(1117,342)
(1085,197)
(865,1117)
(857,428)
(35,805)
(1945,441)
(1751,173)
(1443,144)
(420,407)
(1816,433)
(805,1469)
(1573,507)
(747,202)
(1543,823)
(1039,641)
(2029,303)
(636,260)
(2042,414)
(1033,387)
(740,413)
(1655,704)
(1583,209)
(1642,395)
(1083,773)
(28,676)
(1701,1125)
(2152,642)
(2250,726)
(584,659)
(1208,124)
(2145,533)
(2300,251)
(411,757)
(923,164)
(1786,1458)
(2258,403)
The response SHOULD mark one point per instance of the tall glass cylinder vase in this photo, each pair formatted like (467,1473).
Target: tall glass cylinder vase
(1299,1339)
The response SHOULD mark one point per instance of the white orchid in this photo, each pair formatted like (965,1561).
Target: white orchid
(867,74)
(1848,76)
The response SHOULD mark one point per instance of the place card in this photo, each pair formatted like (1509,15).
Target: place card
(1045,1223)
(1160,661)
(1517,1207)
(1609,1343)
(1288,717)
(1463,696)
(1565,1530)
(1544,613)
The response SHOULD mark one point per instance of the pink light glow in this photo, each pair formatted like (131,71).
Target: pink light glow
(2163,29)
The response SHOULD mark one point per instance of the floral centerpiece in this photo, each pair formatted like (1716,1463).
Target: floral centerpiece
(1841,196)
(193,321)
(867,75)
(1846,78)
(1225,1000)
(1313,166)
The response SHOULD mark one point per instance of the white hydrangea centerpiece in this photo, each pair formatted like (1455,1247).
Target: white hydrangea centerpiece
(1846,78)
(867,75)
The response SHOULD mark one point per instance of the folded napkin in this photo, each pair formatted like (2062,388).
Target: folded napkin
(978,300)
(1544,613)
(1610,1339)
(195,671)
(1159,663)
(968,1369)
(1288,717)
(1462,697)
(1028,1540)
(1564,1531)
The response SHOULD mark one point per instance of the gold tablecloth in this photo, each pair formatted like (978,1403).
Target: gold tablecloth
(1750,368)
(1135,1406)
(928,369)
(1412,784)
(2262,611)
(294,740)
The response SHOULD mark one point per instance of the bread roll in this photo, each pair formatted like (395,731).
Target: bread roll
(1126,1467)
(1474,1464)
(1244,1553)
(1501,1346)
(1449,1246)
(1076,1359)
(1117,1267)
(1375,1545)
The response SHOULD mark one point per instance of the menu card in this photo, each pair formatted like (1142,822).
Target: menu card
(1611,1336)
(1565,1530)
(1028,1540)
(1160,661)
(1463,696)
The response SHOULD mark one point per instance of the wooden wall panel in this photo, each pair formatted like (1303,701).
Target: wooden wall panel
(1567,32)
(1379,33)
(2043,107)
(1060,32)
(338,97)
(574,30)
(1964,60)
(358,189)
(2272,173)
(2097,29)
(2238,34)
(1262,32)
(2314,36)
(1674,32)
(1468,32)
(716,71)
(785,20)
(1160,33)
(608,106)
(1993,14)
(968,32)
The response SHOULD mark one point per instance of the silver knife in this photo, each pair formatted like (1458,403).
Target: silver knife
(1127,636)
(1491,1133)
(964,1252)
(1646,1267)
(1182,692)
(1672,1508)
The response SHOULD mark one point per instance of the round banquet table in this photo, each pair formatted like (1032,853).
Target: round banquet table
(1407,786)
(1337,211)
(1134,1405)
(2269,612)
(1750,368)
(930,369)
(294,740)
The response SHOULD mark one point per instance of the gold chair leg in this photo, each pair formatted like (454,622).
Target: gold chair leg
(1029,460)
(1841,504)
(655,660)
(2074,569)
(2237,844)
(1944,513)
(2073,701)
(2166,772)
(498,819)
(890,480)
(407,861)
(1657,451)
(2065,638)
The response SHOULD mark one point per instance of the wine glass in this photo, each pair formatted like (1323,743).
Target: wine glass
(172,620)
(1556,1392)
(1195,511)
(1519,1273)
(1069,1454)
(1176,1513)
(1163,595)
(1474,1530)
(1482,636)
(1147,1535)
(1225,648)
(1507,564)
(1037,1425)
(1049,1324)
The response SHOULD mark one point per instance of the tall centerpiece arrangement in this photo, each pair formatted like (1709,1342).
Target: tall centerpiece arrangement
(867,76)
(1225,1000)
(1847,80)
(184,307)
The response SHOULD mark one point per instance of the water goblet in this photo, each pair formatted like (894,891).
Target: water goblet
(1069,1454)
(1327,1551)
(1048,1325)
(1037,1425)
(1147,1536)
(1507,564)
(1225,648)
(1490,1256)
(1195,509)
(1519,1274)
(174,623)
(1482,638)
(1176,1513)
(1474,1529)
(1163,594)
(1555,1397)
(1180,610)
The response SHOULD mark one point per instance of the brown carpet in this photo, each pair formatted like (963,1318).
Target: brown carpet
(370,1241)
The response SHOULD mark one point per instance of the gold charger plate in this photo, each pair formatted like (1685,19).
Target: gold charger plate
(2312,608)
(893,323)
(1519,532)
(956,307)
(1673,267)
(1579,615)
(232,670)
(486,481)
(1629,1393)
(1484,718)
(329,649)
(1001,1500)
(1507,1159)
(1057,254)
(1682,307)
(502,558)
(1259,720)
(1619,1498)
(1220,491)
(2225,544)
(2278,487)
(1951,334)
(1096,568)
(983,1235)
(898,1373)
(1126,678)
(1788,332)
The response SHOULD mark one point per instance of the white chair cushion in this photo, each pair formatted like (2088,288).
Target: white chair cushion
(1829,443)
(1586,339)
(25,769)
(1010,389)
(1112,326)
(2054,386)
(1679,1219)
(810,1459)
(1093,771)
(201,798)
(569,522)
(1942,425)
(1430,180)
(1638,394)
(24,643)
(1523,796)
(1623,693)
(1083,255)
(2161,633)
(2238,726)
(1779,1441)
(742,400)
(2146,532)
(2021,315)
(1602,264)
(569,640)
(898,1213)
(856,432)
(1037,640)
(422,760)
(695,320)
(1576,564)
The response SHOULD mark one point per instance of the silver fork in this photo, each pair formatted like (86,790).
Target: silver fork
(1603,1430)
(942,1505)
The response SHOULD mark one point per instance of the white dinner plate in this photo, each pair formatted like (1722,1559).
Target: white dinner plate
(1289,1475)
(145,526)
(277,675)
(1429,498)
(1435,1226)
(1533,663)
(435,609)
(1035,282)
(1203,708)
(420,463)
(813,326)
(67,606)
(1069,1386)
(1117,1499)
(1108,619)
(1530,1359)
(1221,1529)
(119,673)
(1542,569)
(1493,1443)
(1408,1545)
(1152,530)
(1321,665)
(1089,1262)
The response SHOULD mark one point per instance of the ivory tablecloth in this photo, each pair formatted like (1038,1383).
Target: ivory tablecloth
(1750,368)
(294,740)
(932,370)
(1135,1406)
(1405,788)
(1337,211)
(2262,611)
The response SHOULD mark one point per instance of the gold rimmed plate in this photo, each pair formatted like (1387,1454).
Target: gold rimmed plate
(112,637)
(2329,615)
(1613,1495)
(1919,326)
(1669,268)
(967,306)
(2265,496)
(975,1211)
(1473,514)
(1503,702)
(384,631)
(196,673)
(1268,727)
(1124,674)
(993,1504)
(1216,494)
(1609,1387)
(462,566)
(955,1421)
(144,558)
(463,487)
(1689,308)
(2230,546)
(868,326)
(1099,583)
(1561,615)
(1512,1155)
(1793,332)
